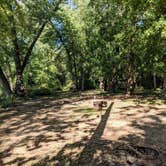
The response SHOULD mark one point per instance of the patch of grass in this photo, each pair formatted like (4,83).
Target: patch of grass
(150,99)
(86,111)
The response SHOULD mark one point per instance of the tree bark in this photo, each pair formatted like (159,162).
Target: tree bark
(112,87)
(5,83)
(29,51)
(154,81)
(9,75)
(105,84)
(19,86)
(131,82)
(82,80)
(164,85)
(20,66)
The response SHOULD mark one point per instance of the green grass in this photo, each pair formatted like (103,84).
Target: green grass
(89,111)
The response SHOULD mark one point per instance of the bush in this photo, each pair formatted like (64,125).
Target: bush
(40,92)
(68,86)
(7,101)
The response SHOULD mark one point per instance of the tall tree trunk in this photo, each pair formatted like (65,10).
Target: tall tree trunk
(30,49)
(21,63)
(129,86)
(112,87)
(5,83)
(82,80)
(19,87)
(154,81)
(164,84)
(105,84)
(75,72)
(10,75)
(131,82)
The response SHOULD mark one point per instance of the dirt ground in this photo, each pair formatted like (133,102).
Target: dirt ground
(69,131)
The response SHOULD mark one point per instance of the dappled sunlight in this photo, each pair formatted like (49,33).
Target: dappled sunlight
(124,119)
(32,130)
(71,131)
(82,83)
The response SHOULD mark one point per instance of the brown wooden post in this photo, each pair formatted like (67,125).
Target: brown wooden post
(99,105)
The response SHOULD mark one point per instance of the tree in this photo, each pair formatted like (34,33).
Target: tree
(5,83)
(24,27)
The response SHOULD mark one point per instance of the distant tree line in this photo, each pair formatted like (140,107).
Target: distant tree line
(57,45)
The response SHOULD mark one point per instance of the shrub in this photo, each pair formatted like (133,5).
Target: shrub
(40,92)
(7,101)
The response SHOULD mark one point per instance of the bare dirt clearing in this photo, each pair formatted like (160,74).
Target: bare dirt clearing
(68,131)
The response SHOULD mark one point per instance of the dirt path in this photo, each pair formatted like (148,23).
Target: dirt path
(68,131)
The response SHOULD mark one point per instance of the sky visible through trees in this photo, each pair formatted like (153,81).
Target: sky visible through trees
(82,82)
(59,44)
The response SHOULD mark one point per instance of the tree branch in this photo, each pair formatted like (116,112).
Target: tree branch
(5,83)
(29,51)
(15,42)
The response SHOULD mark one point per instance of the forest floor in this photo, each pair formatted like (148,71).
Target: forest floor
(68,131)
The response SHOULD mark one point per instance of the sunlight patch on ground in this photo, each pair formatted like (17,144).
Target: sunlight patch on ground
(32,131)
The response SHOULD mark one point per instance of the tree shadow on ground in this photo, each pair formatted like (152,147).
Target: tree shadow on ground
(30,124)
(100,152)
(139,98)
(86,156)
(150,99)
(93,151)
